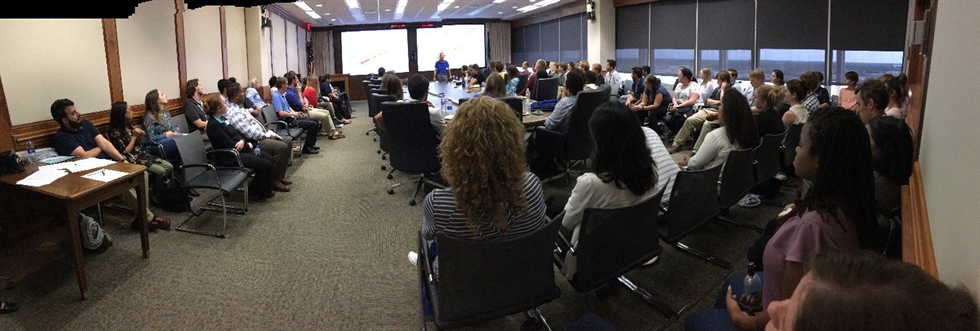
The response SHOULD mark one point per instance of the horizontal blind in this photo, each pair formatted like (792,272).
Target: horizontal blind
(726,24)
(792,24)
(549,40)
(673,24)
(632,24)
(532,42)
(517,45)
(572,34)
(868,24)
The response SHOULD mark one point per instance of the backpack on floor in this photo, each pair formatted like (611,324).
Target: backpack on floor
(170,195)
(94,237)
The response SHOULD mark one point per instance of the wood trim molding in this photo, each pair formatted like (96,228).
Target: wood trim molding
(7,141)
(917,246)
(181,49)
(224,41)
(112,59)
(338,49)
(552,14)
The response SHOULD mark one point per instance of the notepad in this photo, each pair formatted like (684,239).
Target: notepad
(57,159)
(42,177)
(105,175)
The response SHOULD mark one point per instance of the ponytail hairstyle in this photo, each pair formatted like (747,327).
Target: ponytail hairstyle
(897,86)
(212,103)
(684,71)
(771,95)
(795,87)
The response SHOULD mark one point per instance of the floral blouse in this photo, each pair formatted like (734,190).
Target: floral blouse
(156,131)
(120,139)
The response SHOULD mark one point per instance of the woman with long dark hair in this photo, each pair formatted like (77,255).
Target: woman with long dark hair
(738,131)
(837,213)
(622,174)
(513,77)
(891,149)
(126,138)
(156,122)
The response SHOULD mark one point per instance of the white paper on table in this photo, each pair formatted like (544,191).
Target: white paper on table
(42,177)
(78,166)
(105,175)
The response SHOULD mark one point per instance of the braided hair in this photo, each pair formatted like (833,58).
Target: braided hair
(845,178)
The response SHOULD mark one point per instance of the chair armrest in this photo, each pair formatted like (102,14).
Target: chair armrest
(278,122)
(160,153)
(423,262)
(231,151)
(549,143)
(561,244)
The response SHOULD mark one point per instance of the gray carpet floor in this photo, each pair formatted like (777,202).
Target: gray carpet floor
(330,255)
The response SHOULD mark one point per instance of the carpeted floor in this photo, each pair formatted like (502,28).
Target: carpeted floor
(330,255)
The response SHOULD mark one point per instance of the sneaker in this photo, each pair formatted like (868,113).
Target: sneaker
(750,200)
(781,176)
(414,258)
(673,149)
(339,125)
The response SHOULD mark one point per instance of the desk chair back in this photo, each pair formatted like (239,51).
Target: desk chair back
(790,142)
(579,144)
(413,143)
(615,241)
(181,122)
(545,89)
(767,157)
(484,280)
(516,104)
(521,82)
(737,178)
(374,102)
(692,203)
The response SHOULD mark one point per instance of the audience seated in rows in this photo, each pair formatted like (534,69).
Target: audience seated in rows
(324,113)
(707,117)
(860,290)
(513,79)
(339,100)
(289,112)
(224,136)
(250,128)
(194,107)
(757,78)
(612,77)
(524,68)
(477,77)
(797,114)
(738,131)
(836,213)
(597,70)
(538,72)
(633,95)
(687,96)
(79,138)
(156,120)
(872,98)
(891,148)
(418,91)
(125,138)
(811,82)
(496,87)
(653,103)
(559,118)
(707,85)
(767,120)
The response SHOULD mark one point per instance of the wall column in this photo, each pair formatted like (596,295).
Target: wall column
(602,32)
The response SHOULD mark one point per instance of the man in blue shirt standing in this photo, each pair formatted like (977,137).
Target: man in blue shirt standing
(442,69)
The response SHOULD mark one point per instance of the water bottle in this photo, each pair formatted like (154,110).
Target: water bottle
(30,151)
(527,105)
(257,150)
(449,110)
(176,128)
(442,101)
(753,282)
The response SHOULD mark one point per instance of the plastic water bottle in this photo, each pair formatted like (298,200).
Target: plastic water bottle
(257,150)
(176,128)
(449,110)
(753,282)
(442,101)
(30,151)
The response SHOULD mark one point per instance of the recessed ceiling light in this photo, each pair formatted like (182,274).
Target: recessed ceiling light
(455,6)
(319,5)
(302,5)
(515,7)
(328,14)
(333,19)
(500,12)
(387,9)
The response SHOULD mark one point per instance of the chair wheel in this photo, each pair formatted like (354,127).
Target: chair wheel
(384,157)
(411,203)
(390,177)
(375,139)
(379,151)
(367,133)
(384,168)
(391,191)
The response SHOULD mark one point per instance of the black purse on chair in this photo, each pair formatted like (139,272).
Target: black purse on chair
(10,163)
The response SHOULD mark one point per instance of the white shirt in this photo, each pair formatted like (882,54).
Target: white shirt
(714,151)
(667,169)
(613,79)
(898,113)
(800,112)
(706,90)
(682,94)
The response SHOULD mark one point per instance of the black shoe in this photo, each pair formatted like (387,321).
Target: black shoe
(193,192)
(151,226)
(262,199)
(8,307)
(311,151)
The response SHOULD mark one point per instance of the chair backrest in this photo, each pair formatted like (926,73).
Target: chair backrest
(483,280)
(516,104)
(521,82)
(374,103)
(413,142)
(192,151)
(379,90)
(614,241)
(737,178)
(692,202)
(767,157)
(579,144)
(181,122)
(790,142)
(268,115)
(545,89)
(461,101)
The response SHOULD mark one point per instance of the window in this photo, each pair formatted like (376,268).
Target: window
(633,57)
(867,64)
(667,60)
(792,62)
(718,60)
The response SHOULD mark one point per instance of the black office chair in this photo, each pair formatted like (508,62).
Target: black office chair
(693,202)
(461,101)
(516,104)
(272,122)
(413,142)
(613,242)
(789,145)
(201,173)
(483,280)
(545,89)
(521,82)
(374,107)
(737,179)
(181,122)
(767,157)
(575,145)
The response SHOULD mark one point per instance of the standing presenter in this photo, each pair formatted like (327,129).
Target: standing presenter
(442,69)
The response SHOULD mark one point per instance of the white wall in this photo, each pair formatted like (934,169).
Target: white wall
(291,62)
(45,60)
(237,47)
(602,32)
(202,44)
(278,45)
(148,52)
(949,156)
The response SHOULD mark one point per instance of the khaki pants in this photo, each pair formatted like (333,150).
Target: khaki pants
(325,116)
(129,200)
(692,122)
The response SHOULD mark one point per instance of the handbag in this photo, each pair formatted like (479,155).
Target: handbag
(10,163)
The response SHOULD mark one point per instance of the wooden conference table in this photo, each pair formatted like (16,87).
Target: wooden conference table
(72,193)
(454,93)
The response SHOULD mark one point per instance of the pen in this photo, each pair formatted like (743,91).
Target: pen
(103,173)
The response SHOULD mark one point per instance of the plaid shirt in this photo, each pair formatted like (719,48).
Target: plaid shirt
(244,123)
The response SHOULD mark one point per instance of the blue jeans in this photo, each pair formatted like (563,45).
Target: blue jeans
(170,152)
(717,318)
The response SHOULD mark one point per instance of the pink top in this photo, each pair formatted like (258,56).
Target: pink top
(847,99)
(799,239)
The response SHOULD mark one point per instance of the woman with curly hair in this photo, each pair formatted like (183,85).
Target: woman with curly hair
(491,195)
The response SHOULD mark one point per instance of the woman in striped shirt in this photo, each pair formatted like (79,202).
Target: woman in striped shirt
(492,195)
